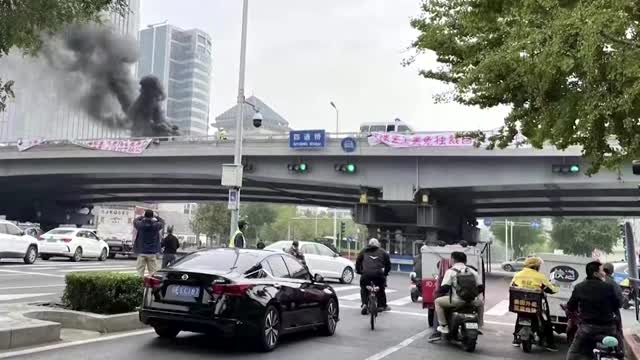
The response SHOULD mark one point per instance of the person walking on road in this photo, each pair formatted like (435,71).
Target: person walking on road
(238,240)
(147,242)
(170,245)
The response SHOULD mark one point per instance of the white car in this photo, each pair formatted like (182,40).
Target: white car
(73,243)
(15,244)
(321,260)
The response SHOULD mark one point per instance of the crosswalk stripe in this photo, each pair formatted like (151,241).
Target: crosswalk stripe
(97,269)
(400,302)
(31,287)
(21,296)
(354,297)
(499,309)
(345,288)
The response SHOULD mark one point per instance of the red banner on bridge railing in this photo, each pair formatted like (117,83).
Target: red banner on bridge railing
(418,140)
(117,145)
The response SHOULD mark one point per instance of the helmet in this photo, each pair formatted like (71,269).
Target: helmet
(374,242)
(533,262)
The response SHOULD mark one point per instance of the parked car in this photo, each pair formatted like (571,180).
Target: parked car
(238,292)
(120,247)
(321,260)
(16,244)
(73,243)
(514,265)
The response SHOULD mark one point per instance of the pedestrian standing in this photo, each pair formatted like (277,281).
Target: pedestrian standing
(170,245)
(238,240)
(147,242)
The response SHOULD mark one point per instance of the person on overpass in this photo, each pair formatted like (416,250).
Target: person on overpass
(170,245)
(597,303)
(238,239)
(373,264)
(147,242)
(222,135)
(531,278)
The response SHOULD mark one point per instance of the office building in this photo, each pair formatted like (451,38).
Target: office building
(181,59)
(39,111)
(272,122)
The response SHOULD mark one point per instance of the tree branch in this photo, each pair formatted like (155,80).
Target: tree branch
(618,40)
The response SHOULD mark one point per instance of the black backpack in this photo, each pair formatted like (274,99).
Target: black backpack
(466,285)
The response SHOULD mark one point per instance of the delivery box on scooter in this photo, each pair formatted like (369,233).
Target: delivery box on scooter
(565,271)
(431,273)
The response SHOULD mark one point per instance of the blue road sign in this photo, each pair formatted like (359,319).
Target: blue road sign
(348,144)
(535,224)
(487,222)
(307,139)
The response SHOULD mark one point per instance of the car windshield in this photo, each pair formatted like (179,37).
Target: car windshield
(222,260)
(60,232)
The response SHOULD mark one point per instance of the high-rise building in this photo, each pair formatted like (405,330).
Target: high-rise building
(181,59)
(272,122)
(38,110)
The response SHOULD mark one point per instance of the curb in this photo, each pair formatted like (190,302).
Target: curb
(35,333)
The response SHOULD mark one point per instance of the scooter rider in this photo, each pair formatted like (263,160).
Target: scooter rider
(458,293)
(373,264)
(531,278)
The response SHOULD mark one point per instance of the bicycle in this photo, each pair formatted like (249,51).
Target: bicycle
(372,303)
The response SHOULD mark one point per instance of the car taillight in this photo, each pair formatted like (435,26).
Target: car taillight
(230,289)
(67,240)
(152,282)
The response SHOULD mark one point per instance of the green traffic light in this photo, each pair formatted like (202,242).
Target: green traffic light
(351,168)
(302,167)
(574,168)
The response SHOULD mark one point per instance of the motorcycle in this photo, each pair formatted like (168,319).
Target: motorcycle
(463,327)
(416,287)
(607,349)
(530,306)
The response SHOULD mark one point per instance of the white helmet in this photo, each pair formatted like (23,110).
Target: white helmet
(374,242)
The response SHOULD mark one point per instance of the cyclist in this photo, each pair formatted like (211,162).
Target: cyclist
(373,264)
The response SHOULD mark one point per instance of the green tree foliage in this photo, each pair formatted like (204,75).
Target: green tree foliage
(212,219)
(258,216)
(23,22)
(568,69)
(525,238)
(582,236)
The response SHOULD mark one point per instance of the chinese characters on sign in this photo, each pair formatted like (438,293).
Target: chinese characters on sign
(122,145)
(307,139)
(419,140)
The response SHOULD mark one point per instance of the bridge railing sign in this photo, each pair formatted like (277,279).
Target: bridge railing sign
(307,139)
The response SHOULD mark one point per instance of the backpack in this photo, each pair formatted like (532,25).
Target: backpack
(465,285)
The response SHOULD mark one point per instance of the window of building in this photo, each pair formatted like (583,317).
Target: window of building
(202,39)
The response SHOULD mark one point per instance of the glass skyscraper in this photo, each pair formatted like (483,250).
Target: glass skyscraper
(181,59)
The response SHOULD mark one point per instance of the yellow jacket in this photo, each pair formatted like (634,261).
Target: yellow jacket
(532,279)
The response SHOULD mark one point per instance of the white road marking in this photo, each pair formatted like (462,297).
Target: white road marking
(400,302)
(36,350)
(388,351)
(31,273)
(344,288)
(98,269)
(499,309)
(31,287)
(21,296)
(424,315)
(354,297)
(58,264)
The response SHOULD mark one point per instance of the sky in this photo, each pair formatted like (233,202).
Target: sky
(302,54)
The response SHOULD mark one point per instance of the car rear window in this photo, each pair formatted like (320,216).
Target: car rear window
(60,232)
(222,260)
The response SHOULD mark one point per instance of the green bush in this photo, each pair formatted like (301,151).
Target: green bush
(103,292)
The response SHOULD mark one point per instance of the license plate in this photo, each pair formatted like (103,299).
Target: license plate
(185,291)
(524,323)
(52,240)
(471,325)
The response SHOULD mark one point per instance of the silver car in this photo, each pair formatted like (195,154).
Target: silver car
(514,265)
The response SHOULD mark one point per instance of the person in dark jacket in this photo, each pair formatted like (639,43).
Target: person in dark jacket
(170,245)
(295,251)
(147,242)
(373,264)
(260,245)
(597,304)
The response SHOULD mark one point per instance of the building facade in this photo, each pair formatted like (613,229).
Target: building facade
(272,122)
(181,59)
(38,110)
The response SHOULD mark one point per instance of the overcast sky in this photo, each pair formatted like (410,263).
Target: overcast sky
(302,54)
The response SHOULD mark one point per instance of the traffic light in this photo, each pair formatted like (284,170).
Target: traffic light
(566,169)
(342,228)
(301,167)
(348,168)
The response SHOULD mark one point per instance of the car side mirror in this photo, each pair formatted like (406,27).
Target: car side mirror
(318,278)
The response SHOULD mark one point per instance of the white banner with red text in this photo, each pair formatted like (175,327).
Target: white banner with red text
(419,140)
(117,145)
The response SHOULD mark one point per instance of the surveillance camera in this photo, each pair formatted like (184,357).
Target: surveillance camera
(257,119)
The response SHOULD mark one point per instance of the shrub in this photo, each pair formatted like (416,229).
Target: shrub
(103,292)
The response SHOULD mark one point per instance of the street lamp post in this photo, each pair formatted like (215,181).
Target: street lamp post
(237,155)
(337,116)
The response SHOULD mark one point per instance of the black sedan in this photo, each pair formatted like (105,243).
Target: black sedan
(238,292)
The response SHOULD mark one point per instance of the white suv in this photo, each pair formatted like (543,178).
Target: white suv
(15,244)
(73,243)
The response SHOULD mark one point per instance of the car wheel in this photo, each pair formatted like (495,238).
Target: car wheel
(347,276)
(45,257)
(31,256)
(103,255)
(270,330)
(112,255)
(166,332)
(508,268)
(331,318)
(77,256)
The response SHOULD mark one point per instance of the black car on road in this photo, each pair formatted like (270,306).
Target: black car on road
(238,292)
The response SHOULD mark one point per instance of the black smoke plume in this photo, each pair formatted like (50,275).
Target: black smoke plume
(98,64)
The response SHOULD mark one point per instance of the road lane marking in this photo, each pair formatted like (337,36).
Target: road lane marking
(36,350)
(388,351)
(344,288)
(30,287)
(424,315)
(57,265)
(499,309)
(22,296)
(31,273)
(98,269)
(354,297)
(400,302)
